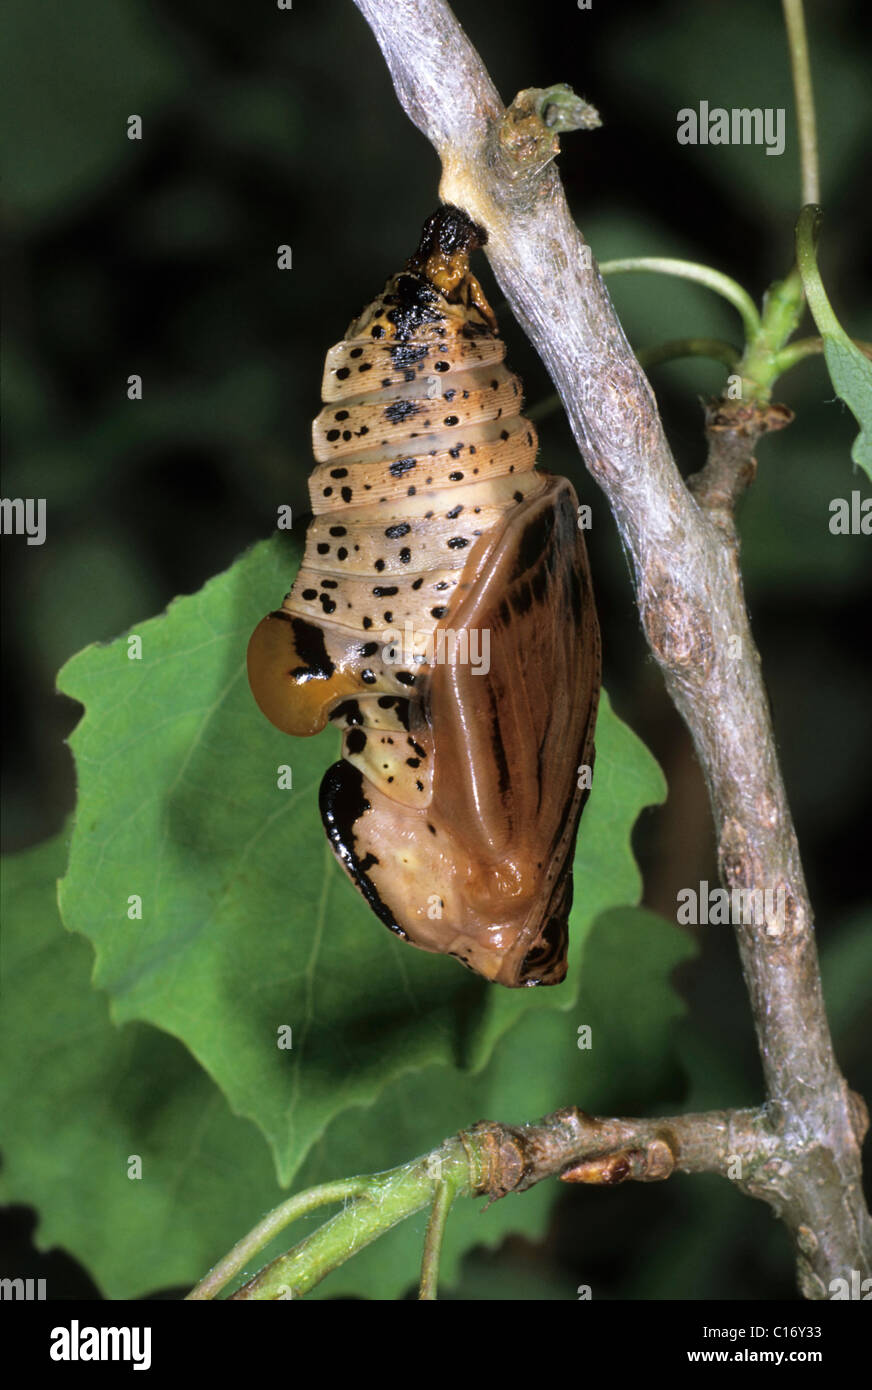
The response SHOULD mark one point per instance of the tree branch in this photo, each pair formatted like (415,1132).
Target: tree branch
(494,1160)
(689,594)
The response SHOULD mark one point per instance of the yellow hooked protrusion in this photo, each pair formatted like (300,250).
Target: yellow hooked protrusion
(447,242)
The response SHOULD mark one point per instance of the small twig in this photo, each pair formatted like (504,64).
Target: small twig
(442,1201)
(723,285)
(732,430)
(716,349)
(387,1198)
(800,67)
(495,1160)
(267,1229)
(810,347)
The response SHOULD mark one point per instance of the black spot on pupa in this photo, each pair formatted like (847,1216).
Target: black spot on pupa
(323,548)
(451,420)
(385,590)
(400,410)
(346,494)
(401,466)
(342,803)
(341,415)
(332,434)
(406,355)
(310,648)
(337,531)
(310,594)
(417,303)
(405,678)
(455,477)
(457,542)
(355,741)
(418,582)
(327,603)
(356,352)
(342,553)
(438,612)
(368,677)
(405,555)
(343,372)
(329,584)
(402,528)
(455,511)
(338,472)
(368,649)
(349,710)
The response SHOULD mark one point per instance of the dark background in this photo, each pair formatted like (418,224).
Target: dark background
(158,257)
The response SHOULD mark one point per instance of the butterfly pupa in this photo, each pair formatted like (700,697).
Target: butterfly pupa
(443,618)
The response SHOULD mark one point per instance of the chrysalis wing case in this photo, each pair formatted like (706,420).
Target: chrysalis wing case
(443,618)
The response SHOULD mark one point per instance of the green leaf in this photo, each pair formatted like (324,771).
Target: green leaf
(850,371)
(76,1110)
(248,925)
(79,1098)
(851,374)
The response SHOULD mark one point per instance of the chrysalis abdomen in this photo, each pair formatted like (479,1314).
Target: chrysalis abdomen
(443,617)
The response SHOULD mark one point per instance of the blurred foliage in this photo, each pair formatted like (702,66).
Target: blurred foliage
(158,257)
